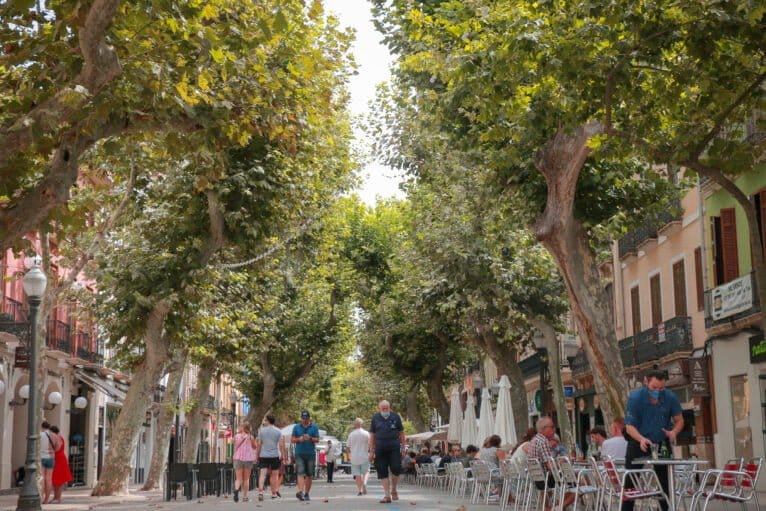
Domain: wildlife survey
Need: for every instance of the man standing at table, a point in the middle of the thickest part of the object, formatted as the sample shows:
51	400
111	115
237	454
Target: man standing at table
386	449
305	436
653	416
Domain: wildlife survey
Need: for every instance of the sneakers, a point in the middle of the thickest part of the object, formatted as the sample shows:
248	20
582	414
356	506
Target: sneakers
275	496
236	495
306	496
359	494
279	495
260	495
299	495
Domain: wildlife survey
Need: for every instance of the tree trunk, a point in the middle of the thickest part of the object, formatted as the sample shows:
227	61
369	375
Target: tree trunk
435	380
168	409
560	162
413	409
551	343
114	478
505	358
194	416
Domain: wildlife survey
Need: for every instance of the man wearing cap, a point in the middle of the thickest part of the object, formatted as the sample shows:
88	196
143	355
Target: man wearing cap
305	435
386	449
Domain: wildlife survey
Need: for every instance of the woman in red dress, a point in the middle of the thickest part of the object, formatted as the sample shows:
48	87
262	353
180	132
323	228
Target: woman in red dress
61	473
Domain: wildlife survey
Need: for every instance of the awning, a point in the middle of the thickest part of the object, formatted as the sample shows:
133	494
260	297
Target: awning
427	435
100	383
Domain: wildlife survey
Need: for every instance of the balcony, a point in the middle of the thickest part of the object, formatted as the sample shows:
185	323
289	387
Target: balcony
59	334
667	338
579	364
628	351
19	329
729	303
15	310
639	237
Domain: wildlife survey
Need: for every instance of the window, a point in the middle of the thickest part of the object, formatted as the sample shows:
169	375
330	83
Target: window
635	308
698	278
740	411
725	249
655	293
679	288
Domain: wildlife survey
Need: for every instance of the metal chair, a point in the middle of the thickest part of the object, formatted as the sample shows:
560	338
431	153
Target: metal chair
644	482
179	473
536	476
730	485
208	479
513	480
483	479
578	482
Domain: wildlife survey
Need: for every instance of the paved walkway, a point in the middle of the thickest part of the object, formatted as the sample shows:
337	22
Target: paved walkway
339	496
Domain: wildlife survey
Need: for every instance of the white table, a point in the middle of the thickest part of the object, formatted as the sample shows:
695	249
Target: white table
671	463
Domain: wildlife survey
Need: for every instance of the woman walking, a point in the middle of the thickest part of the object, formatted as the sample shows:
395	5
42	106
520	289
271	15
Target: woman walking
244	457
61	472
49	444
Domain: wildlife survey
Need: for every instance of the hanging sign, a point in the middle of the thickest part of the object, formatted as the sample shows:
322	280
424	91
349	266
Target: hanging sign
700	384
732	298
21	359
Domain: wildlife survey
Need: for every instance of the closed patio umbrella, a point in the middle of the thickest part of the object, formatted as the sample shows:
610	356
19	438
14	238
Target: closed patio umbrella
486	422
455	418
504	424
468	435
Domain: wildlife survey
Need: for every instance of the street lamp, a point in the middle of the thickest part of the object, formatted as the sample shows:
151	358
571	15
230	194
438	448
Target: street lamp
34	286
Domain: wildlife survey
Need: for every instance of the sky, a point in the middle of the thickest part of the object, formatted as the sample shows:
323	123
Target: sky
373	60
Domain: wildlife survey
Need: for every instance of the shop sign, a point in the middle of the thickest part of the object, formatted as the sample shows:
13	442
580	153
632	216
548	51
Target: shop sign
732	298
757	349
539	400
21	359
700	384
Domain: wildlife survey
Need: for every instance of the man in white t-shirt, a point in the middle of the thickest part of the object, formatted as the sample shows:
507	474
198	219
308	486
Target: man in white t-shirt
616	445
358	445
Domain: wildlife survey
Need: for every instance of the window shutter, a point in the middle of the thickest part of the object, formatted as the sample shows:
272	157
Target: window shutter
679	288
656	297
698	278
729	244
635	308
762	213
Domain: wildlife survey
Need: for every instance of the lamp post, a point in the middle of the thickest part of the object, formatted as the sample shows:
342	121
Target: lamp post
34	286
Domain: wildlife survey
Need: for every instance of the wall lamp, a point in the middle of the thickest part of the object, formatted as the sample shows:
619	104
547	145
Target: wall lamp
54	399
80	403
22	398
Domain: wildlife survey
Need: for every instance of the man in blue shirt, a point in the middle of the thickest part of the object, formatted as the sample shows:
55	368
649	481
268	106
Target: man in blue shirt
305	436
653	416
386	448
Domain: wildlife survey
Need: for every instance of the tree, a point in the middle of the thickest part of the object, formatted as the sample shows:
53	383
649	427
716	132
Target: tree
524	83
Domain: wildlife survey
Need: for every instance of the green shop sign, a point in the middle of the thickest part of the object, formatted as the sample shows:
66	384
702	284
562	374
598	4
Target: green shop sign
757	349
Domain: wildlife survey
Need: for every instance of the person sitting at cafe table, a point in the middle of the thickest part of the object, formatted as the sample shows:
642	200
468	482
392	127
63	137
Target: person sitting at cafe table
423	457
455	456
597	439
616	445
653	416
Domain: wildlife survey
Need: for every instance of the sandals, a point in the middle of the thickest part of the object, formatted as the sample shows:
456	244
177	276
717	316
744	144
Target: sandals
385	500
394	495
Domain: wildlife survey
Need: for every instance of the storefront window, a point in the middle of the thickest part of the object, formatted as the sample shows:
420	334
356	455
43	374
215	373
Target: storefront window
740	409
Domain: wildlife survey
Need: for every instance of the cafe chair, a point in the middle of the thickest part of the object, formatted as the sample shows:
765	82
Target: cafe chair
208	479
580	482
730	485
179	473
483	476
536	474
514	483
630	484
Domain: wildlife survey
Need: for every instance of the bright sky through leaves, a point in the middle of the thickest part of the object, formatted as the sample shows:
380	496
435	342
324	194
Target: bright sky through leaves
373	59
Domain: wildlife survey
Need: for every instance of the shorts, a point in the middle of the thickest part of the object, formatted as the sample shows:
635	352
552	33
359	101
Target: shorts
243	465
46	462
540	485
361	469
271	463
388	460
305	464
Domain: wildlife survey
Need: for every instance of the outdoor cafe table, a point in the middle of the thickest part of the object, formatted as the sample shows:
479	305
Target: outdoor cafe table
671	463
